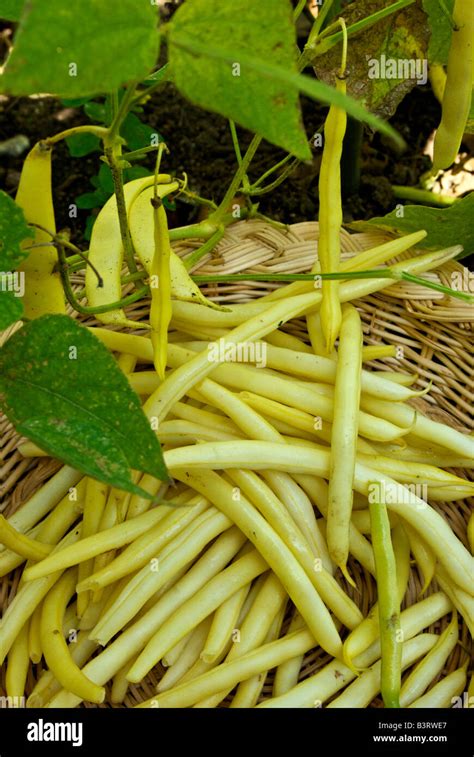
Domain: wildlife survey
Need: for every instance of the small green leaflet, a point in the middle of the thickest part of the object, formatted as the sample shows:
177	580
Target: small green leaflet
264	30
61	387
446	226
163	74
81	48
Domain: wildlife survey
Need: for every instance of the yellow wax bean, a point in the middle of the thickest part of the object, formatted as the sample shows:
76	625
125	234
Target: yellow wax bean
269	600
35	650
430	666
103	541
344	436
287	674
189	655
443	693
257	455
266	320
183	550
103	667
313	691
276	516
17	666
56	651
367	686
273	549
146	546
44	499
248	691
196	609
21	544
27	598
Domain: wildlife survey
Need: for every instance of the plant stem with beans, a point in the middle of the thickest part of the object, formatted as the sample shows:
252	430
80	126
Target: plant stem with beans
72	299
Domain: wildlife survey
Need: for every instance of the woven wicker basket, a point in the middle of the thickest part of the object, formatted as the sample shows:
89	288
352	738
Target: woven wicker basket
435	332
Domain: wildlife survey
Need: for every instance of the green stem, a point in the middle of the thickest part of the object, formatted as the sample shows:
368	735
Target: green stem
234	186
123	280
270	221
195	198
137	154
279	180
438	287
238	154
321	18
206	229
151	89
386	273
299	10
123	109
422	196
196	256
113	106
110	149
113	153
271	170
71	297
202	230
98	131
229	278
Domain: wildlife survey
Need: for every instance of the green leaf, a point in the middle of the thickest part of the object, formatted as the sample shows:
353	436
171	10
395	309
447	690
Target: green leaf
136	172
136	133
81	48
395	44
61	387
74	102
263	30
445	227
13	230
83	144
441	29
90	200
11	307
11	9
96	111
106	182
267	71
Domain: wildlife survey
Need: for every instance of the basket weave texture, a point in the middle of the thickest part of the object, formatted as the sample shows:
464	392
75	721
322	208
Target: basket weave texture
435	331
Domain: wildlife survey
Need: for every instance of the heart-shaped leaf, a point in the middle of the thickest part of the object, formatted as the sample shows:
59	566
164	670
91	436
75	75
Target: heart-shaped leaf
61	387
